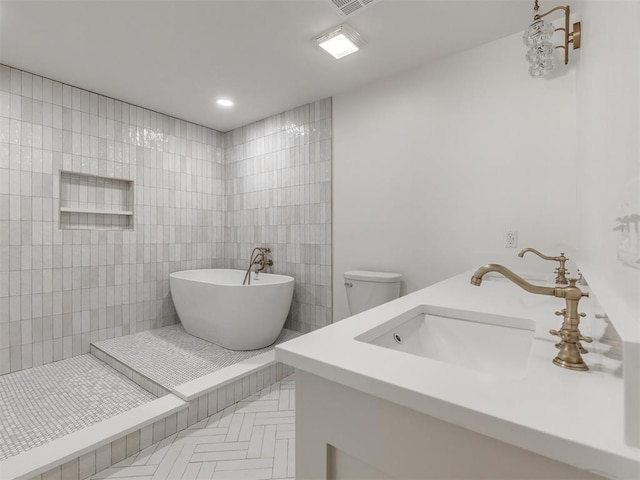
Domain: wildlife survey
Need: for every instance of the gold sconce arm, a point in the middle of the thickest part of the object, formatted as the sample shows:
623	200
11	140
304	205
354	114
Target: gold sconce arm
569	36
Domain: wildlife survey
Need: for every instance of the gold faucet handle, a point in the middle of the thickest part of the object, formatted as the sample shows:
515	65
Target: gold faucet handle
572	283
561	312
563	333
561	271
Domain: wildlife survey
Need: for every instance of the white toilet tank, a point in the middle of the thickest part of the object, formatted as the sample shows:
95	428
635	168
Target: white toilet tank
366	290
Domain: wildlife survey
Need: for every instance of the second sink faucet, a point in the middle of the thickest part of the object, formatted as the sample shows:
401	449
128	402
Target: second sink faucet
570	347
561	271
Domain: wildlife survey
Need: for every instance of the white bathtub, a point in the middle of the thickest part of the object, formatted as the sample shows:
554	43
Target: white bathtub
214	305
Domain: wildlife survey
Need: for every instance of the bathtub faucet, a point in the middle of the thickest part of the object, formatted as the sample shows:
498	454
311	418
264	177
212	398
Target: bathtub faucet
570	336
259	259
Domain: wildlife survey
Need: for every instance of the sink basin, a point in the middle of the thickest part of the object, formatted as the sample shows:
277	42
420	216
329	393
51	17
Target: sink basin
492	344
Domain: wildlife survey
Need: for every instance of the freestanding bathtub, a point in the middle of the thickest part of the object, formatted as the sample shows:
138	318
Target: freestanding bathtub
214	305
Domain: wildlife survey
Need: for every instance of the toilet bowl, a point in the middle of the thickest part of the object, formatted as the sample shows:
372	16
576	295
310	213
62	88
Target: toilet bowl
366	290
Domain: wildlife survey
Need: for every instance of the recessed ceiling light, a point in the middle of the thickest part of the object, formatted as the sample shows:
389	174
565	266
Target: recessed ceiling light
340	41
224	102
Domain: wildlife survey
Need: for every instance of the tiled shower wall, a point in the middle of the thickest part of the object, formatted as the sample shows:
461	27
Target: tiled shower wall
278	191
62	289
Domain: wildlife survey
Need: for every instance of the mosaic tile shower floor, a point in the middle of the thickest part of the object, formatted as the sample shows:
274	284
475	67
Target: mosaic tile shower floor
47	402
170	356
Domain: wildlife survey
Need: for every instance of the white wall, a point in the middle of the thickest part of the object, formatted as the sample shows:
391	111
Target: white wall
608	152
608	161
432	166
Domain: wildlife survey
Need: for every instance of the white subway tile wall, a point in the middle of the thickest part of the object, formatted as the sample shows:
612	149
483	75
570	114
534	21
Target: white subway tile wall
202	199
62	289
278	191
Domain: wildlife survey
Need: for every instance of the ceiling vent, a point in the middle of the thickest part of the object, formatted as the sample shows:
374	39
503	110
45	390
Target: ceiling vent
346	8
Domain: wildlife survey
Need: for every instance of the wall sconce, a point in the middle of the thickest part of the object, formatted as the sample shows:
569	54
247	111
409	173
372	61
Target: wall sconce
538	38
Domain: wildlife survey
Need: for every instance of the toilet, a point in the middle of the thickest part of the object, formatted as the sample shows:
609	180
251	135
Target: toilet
366	290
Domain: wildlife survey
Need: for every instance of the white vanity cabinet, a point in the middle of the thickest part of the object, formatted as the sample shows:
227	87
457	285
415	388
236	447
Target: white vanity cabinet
343	433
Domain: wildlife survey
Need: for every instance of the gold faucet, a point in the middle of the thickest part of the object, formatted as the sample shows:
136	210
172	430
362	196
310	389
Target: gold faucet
258	257
569	347
561	271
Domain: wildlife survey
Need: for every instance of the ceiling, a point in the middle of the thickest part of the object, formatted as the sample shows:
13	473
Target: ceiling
176	57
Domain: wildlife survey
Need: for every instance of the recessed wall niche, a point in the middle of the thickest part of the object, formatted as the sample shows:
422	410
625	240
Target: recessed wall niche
90	202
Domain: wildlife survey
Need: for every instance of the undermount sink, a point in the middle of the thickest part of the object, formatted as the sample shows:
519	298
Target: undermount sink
492	344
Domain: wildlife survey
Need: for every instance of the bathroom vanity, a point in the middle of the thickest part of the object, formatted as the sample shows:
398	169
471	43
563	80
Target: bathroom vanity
456	381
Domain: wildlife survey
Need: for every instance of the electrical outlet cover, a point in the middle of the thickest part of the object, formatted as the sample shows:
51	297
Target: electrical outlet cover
511	239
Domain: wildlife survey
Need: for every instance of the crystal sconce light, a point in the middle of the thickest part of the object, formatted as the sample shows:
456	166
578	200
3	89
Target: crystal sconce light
538	38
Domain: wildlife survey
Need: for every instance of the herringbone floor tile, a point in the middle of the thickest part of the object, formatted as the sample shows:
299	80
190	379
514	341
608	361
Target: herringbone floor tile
252	439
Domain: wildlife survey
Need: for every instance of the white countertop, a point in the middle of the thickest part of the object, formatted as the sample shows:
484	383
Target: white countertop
573	417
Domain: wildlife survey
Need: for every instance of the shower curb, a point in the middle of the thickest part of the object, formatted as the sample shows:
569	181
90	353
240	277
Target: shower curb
132	374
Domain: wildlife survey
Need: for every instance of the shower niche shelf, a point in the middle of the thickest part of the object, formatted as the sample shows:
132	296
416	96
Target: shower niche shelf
91	202
94	210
